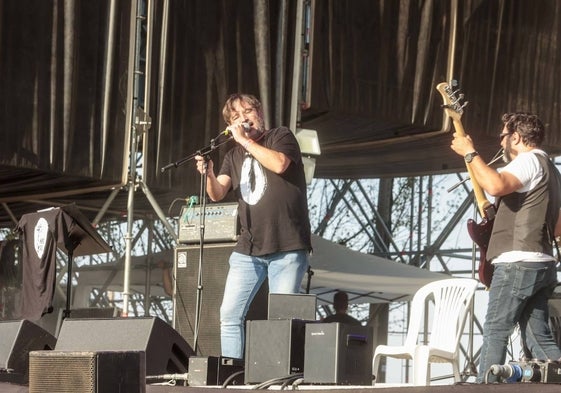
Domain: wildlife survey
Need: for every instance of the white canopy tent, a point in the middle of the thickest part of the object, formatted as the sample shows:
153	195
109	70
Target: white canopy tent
111	277
366	278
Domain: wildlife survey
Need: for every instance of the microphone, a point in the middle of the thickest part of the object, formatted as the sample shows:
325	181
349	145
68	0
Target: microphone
246	126
498	155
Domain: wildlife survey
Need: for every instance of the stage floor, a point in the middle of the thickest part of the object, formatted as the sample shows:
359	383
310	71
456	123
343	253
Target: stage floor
458	388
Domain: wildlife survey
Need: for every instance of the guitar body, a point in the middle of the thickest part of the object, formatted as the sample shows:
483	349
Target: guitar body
480	233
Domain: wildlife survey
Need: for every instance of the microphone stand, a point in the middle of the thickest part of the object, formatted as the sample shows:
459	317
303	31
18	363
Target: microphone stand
201	152
205	151
309	281
202	217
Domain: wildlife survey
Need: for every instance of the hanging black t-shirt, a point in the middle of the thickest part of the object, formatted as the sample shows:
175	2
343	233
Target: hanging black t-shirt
273	208
42	233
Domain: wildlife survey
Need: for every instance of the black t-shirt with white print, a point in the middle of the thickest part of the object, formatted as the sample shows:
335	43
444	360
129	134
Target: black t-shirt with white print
273	209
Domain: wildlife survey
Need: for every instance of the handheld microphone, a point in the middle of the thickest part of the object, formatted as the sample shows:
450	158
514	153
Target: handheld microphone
245	125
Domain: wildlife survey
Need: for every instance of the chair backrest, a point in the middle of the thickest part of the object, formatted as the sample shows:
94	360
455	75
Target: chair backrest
452	301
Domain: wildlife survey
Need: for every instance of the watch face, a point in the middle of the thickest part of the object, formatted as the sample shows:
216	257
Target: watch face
469	157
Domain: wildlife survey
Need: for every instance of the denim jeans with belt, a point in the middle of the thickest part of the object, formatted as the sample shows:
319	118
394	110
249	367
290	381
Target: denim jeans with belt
519	293
285	271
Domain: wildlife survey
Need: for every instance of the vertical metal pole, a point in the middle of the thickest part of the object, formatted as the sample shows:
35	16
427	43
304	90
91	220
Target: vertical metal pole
297	75
261	28
128	235
149	263
136	5
280	65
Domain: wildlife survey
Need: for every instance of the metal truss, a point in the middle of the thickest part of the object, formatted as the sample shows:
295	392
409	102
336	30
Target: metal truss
416	229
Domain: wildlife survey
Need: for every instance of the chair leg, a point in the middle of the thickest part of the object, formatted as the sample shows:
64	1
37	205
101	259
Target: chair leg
421	366
456	370
375	366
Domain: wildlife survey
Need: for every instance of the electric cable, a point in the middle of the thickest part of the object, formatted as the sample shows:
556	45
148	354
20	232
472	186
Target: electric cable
271	382
231	377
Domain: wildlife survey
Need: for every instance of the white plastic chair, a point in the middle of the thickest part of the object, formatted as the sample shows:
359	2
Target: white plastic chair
452	302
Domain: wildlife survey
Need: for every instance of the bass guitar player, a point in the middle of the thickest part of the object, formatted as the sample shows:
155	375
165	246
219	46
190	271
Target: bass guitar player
528	192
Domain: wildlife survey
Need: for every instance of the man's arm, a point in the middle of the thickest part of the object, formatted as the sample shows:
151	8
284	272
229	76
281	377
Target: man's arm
274	161
493	182
216	187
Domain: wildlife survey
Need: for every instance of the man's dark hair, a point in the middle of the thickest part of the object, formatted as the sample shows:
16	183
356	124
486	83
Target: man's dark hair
340	301
529	127
247	98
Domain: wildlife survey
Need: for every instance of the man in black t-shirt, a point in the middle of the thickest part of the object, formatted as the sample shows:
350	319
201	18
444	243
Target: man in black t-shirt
266	173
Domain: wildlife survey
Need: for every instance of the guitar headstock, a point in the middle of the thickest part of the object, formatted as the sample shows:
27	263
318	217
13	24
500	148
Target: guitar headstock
453	102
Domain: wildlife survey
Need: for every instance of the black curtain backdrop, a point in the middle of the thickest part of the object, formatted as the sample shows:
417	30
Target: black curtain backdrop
204	51
510	58
63	95
374	68
65	84
376	64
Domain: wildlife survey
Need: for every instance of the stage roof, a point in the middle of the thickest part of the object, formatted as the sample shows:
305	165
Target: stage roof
69	83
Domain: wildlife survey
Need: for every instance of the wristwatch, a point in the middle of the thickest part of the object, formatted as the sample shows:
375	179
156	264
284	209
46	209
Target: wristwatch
469	157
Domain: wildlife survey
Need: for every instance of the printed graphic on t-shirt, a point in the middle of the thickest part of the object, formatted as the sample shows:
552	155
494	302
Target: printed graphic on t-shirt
253	182
40	236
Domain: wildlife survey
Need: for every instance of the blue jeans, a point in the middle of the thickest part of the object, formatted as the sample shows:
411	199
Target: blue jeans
284	270
518	294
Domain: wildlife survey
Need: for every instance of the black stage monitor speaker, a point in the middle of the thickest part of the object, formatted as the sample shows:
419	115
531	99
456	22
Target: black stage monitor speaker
274	349
87	372
93	312
338	353
87	312
292	306
17	339
166	351
215	269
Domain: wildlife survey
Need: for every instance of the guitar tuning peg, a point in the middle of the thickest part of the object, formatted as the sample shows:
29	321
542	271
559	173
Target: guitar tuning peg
454	83
464	104
456	92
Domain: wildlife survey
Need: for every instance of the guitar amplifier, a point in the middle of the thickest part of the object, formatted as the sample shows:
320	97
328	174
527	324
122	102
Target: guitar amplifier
220	223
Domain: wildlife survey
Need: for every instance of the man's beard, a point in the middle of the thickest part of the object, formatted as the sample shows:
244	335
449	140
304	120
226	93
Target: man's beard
507	156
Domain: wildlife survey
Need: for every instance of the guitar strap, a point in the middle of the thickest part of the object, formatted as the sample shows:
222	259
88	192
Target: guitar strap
551	233
555	243
557	249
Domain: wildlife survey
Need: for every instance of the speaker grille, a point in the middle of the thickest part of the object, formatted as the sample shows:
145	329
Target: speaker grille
62	372
214	272
87	372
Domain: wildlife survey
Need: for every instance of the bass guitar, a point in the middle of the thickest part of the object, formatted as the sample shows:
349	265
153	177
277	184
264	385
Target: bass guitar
480	232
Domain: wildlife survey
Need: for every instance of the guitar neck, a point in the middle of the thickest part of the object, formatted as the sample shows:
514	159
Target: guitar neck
483	203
